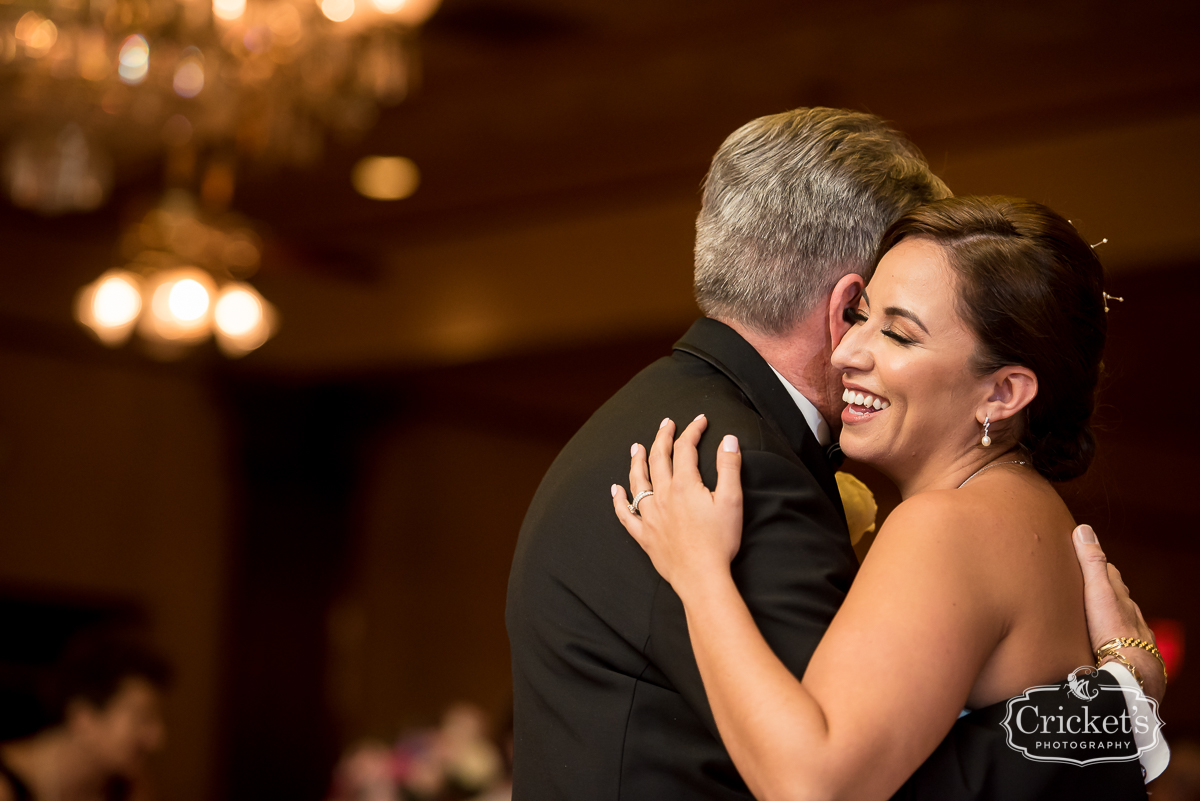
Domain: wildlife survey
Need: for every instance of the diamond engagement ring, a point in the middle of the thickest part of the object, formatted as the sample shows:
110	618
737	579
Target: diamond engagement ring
633	507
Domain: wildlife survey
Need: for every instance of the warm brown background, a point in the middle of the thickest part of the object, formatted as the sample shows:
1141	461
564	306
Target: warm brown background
320	534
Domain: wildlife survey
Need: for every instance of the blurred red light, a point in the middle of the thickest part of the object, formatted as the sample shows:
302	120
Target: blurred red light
1168	636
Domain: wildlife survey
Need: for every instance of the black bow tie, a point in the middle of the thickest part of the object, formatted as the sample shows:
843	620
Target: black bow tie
835	456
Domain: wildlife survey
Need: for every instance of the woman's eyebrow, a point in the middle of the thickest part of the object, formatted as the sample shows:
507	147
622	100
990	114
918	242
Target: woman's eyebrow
898	312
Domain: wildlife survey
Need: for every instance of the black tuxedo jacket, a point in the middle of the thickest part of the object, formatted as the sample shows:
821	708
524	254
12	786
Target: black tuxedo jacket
608	700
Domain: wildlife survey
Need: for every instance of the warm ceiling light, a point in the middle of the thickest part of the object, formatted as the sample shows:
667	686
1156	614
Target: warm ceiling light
238	311
229	9
37	33
244	320
134	61
109	306
338	10
389	6
116	302
408	12
189	75
385	177
180	306
187	300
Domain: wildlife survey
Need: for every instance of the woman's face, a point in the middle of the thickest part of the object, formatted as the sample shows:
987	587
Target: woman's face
906	360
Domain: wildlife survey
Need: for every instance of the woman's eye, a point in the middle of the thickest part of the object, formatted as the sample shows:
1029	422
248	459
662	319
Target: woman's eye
853	316
903	340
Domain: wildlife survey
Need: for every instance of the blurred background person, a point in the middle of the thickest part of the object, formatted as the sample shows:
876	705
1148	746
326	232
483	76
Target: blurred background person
104	705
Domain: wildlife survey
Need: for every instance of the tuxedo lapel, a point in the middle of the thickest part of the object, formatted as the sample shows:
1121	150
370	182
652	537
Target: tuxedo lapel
726	350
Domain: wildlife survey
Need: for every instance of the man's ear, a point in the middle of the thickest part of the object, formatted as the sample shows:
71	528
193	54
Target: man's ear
846	293
1012	389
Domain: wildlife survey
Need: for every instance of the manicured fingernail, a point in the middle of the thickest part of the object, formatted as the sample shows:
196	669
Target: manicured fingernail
633	450
614	490
1086	535
699	417
664	422
729	443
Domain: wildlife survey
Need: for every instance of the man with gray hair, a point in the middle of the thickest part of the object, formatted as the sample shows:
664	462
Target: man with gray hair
608	701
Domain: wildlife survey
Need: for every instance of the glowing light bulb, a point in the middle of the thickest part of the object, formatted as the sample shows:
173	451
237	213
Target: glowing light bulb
408	12
116	302
244	320
188	300
385	177
110	305
229	9
238	311
338	10
180	303
189	75
134	61
37	33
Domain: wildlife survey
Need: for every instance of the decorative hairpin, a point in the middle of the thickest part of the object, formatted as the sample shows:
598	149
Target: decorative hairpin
1107	297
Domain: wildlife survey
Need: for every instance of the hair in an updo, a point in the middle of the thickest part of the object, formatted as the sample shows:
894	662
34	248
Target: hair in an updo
1031	290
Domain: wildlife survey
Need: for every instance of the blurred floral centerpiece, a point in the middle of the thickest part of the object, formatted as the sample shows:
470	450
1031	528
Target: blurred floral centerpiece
454	761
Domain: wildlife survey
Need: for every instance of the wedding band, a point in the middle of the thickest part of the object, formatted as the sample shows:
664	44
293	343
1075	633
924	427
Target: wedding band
633	507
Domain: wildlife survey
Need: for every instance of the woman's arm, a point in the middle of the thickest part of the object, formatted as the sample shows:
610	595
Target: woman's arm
888	679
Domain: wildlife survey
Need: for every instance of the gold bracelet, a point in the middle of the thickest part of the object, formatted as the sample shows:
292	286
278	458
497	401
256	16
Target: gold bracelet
1117	656
1112	645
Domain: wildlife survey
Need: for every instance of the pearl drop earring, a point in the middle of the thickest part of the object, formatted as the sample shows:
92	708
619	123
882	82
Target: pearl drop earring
986	441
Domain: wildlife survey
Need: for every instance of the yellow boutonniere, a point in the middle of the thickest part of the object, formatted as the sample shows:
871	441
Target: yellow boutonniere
859	503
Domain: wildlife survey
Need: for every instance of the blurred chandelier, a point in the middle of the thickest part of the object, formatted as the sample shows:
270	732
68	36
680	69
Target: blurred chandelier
87	84
185	281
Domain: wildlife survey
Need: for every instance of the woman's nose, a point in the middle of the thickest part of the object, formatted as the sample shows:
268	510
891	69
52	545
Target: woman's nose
850	354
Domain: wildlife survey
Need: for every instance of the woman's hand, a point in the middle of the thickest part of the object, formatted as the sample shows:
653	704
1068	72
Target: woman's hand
1112	613
690	534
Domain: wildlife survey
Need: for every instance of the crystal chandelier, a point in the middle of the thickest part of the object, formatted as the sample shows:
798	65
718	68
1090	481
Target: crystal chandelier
90	86
90	83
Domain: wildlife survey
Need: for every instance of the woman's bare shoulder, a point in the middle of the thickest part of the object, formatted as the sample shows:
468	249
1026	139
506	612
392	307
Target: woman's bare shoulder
928	539
1012	524
972	530
933	517
979	512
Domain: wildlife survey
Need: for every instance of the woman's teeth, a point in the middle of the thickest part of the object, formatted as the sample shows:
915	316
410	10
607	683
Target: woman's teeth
859	399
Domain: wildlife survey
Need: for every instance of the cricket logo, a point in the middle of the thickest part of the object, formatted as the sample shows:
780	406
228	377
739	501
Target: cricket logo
1079	687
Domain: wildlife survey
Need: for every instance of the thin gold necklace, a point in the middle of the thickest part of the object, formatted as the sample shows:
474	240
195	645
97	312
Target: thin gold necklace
987	467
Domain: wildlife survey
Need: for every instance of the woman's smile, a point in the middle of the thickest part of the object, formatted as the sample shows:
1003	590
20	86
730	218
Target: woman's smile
861	405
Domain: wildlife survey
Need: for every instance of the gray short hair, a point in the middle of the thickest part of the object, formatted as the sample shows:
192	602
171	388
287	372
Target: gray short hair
795	201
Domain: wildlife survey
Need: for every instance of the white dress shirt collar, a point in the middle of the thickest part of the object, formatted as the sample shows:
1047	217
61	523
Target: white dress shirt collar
813	417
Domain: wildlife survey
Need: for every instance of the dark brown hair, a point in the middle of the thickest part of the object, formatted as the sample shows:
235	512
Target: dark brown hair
1031	290
95	666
